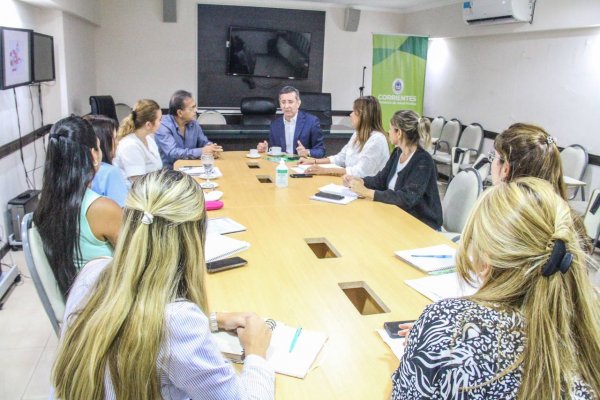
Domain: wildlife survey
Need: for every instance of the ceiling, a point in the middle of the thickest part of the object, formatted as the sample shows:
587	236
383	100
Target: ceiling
395	5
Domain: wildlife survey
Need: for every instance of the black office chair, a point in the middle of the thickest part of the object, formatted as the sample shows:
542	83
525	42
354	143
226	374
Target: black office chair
317	104
103	105
257	110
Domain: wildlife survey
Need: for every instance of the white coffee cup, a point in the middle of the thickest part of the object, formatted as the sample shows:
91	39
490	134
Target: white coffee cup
253	152
275	151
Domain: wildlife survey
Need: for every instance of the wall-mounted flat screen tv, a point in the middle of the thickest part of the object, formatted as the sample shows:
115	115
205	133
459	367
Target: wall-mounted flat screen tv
269	53
43	58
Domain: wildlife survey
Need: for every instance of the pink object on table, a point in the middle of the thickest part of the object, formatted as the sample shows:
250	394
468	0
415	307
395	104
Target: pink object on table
213	205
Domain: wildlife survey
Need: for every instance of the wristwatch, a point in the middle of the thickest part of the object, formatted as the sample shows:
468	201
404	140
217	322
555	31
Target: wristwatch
212	318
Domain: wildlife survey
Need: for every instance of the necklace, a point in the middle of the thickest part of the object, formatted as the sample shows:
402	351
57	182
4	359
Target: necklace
406	155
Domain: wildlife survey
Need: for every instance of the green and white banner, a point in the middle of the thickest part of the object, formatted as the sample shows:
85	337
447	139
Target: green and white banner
398	80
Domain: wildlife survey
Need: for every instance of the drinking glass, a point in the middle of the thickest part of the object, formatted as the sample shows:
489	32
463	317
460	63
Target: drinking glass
207	162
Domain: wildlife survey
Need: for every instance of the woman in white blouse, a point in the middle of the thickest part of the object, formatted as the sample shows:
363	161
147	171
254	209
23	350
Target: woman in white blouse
137	153
367	151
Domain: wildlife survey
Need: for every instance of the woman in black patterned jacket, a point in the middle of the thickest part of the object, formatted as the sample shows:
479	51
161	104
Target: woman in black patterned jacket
409	179
532	330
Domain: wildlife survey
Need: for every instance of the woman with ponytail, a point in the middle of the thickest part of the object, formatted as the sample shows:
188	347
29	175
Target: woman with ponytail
137	326
532	331
137	152
75	223
409	179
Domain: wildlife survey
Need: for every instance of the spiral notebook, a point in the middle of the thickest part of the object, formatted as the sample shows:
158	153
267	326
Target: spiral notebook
219	246
296	363
432	260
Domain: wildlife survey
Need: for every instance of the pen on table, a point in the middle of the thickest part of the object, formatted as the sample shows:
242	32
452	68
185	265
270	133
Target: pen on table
295	339
432	255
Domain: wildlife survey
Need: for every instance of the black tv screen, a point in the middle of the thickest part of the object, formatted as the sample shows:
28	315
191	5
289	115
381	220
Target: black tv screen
43	58
269	53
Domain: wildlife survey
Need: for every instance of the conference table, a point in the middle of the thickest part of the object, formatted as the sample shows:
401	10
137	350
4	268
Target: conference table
287	281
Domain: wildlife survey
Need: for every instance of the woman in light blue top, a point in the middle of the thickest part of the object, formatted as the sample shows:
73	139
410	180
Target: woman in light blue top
75	223
109	180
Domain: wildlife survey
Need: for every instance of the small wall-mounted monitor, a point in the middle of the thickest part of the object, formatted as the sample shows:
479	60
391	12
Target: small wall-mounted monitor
43	58
268	53
15	54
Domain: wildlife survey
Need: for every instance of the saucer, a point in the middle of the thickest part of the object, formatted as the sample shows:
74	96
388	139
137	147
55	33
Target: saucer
213	195
276	155
208	185
251	156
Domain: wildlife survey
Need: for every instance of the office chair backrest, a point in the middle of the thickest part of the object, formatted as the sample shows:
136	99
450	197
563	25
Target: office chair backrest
257	110
471	137
317	104
591	218
451	133
103	105
436	127
461	195
41	273
122	110
211	117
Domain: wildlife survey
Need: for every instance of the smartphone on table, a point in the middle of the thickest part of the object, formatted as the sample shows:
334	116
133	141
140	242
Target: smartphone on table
224	264
392	327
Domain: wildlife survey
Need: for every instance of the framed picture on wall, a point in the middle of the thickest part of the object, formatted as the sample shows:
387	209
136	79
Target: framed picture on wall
15	51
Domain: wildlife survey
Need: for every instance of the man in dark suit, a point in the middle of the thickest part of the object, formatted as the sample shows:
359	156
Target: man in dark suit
297	131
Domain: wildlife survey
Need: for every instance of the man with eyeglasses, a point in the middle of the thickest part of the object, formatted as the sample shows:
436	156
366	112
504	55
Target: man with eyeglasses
180	137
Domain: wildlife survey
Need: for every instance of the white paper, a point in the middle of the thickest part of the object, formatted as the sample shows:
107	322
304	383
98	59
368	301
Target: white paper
301	169
439	287
397	344
343	201
193	171
296	363
219	247
338	189
223	225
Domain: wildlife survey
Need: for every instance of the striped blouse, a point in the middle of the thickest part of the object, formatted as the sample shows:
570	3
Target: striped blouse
189	362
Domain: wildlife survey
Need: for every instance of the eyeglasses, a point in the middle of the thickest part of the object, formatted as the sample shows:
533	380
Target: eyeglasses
492	156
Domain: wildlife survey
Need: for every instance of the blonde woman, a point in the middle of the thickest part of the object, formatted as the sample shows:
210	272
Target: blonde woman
532	331
409	178
137	152
367	151
527	150
137	326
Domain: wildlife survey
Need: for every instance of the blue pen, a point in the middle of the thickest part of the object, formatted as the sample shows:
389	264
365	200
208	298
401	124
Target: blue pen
432	255
295	339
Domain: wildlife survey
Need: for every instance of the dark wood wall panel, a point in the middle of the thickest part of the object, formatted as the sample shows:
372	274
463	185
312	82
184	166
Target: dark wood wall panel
215	87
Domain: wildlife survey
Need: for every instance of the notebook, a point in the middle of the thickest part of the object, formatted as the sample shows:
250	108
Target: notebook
223	225
218	247
439	287
349	195
296	363
434	259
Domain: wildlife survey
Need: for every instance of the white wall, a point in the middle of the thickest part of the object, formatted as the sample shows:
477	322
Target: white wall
74	61
544	73
153	58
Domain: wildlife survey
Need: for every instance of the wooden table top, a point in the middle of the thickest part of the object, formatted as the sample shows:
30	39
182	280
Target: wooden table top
284	279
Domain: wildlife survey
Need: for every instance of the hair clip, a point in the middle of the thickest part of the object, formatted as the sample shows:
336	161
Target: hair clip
148	218
133	114
550	140
560	259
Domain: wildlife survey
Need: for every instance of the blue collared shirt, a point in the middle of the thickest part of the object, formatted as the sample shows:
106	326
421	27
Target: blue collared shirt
110	182
173	146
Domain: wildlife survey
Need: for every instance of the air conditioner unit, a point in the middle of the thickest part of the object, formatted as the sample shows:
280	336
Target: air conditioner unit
497	11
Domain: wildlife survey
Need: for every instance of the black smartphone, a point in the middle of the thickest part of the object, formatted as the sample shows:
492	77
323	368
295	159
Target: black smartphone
253	166
301	176
329	196
392	327
227	263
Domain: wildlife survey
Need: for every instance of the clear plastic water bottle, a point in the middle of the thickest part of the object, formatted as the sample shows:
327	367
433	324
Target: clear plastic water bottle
281	174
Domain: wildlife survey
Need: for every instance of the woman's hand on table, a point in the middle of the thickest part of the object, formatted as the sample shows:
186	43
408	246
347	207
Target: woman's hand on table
255	336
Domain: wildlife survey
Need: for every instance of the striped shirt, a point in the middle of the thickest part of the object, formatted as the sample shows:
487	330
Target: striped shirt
189	362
